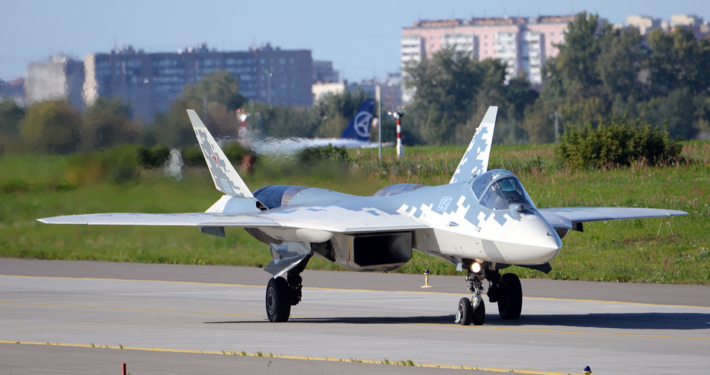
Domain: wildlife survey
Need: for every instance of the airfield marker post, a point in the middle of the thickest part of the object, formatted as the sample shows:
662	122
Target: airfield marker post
426	279
124	369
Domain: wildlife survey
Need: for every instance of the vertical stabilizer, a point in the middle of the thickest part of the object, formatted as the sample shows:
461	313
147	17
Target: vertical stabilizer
359	127
475	160
226	179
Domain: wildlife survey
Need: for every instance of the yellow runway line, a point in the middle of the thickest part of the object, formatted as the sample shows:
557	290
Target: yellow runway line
347	290
307	358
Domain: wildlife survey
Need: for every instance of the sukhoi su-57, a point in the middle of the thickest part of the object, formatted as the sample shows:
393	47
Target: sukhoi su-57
481	222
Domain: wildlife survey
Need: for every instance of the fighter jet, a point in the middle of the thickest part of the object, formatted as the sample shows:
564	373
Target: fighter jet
481	222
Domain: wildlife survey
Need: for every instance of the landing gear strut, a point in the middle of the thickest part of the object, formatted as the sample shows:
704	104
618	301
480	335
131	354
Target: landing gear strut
505	290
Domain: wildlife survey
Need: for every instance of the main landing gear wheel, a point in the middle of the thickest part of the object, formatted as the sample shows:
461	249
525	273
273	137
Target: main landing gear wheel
465	313
510	302
278	300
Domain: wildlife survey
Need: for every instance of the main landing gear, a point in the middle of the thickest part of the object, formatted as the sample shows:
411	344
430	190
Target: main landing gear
505	290
281	294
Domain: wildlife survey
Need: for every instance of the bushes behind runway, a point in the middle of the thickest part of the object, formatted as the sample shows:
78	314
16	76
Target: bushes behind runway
655	250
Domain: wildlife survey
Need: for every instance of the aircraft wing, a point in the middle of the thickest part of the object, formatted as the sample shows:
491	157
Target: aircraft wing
168	220
331	219
587	214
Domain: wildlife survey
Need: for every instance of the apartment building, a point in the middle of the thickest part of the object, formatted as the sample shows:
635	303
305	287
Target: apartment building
522	44
151	81
59	77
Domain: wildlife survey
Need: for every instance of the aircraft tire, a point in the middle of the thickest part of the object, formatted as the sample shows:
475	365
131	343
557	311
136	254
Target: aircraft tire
479	315
465	311
511	302
278	300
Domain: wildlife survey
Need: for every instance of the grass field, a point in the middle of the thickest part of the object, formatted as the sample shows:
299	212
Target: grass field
653	251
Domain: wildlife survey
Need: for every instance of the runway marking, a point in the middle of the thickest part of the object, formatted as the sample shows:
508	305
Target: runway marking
307	318
297	357
125	309
349	290
575	332
135	309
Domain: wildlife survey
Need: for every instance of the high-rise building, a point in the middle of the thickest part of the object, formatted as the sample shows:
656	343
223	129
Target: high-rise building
645	24
323	72
151	81
59	77
522	44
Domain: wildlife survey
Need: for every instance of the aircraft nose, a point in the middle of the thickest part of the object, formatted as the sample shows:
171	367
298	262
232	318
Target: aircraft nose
540	239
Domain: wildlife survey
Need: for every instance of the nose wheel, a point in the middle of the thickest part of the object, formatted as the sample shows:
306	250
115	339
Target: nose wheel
472	310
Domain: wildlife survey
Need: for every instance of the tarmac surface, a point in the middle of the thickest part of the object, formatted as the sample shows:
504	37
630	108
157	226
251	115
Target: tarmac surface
74	317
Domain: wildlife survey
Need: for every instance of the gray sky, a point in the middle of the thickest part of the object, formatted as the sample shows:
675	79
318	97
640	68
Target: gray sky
361	37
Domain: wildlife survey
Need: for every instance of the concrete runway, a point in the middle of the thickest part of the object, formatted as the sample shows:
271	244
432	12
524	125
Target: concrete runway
166	316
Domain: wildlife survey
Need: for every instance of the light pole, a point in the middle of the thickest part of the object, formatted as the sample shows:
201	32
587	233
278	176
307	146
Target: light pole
268	84
556	116
379	119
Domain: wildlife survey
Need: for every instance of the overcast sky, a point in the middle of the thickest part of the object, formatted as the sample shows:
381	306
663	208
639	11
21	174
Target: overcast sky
361	37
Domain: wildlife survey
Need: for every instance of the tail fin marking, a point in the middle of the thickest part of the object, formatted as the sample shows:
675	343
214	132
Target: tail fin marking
359	127
226	179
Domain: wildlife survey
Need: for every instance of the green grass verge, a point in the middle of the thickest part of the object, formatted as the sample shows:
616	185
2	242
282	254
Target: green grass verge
625	251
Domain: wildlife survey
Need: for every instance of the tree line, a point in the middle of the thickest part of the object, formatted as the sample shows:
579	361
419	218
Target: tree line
54	127
599	74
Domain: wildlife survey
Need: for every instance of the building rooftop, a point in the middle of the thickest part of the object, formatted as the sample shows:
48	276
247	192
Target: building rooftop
493	21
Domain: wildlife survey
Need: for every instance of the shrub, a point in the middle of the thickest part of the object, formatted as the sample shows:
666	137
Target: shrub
153	157
329	152
617	142
192	157
119	165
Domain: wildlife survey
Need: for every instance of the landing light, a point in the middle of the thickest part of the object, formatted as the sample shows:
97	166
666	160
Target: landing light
475	267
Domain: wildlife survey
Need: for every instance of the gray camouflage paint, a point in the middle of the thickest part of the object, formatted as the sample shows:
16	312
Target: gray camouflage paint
475	160
226	179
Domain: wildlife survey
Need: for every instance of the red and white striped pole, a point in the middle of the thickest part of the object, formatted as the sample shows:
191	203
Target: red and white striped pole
398	115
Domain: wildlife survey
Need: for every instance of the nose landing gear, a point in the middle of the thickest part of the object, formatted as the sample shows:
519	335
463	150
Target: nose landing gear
505	290
473	310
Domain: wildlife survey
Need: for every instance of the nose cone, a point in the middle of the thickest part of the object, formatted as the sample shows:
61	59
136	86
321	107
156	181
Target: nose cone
539	242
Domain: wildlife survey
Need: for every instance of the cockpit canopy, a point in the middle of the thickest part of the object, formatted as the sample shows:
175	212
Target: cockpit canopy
498	189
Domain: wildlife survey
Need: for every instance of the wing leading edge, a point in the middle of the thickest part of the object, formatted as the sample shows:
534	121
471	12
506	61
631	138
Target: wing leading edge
325	220
589	214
